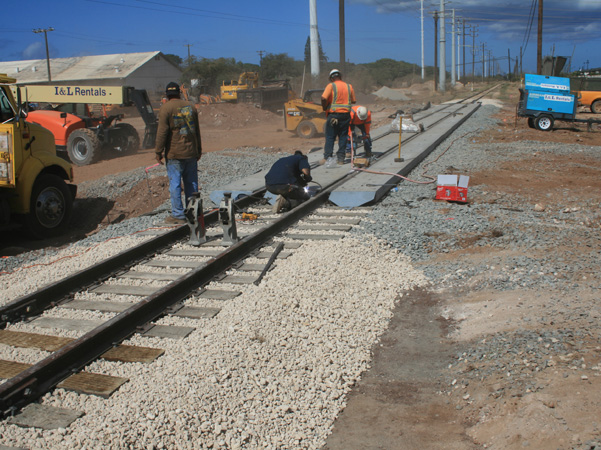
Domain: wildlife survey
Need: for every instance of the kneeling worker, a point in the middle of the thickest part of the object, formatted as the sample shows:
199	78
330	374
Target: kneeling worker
361	119
287	178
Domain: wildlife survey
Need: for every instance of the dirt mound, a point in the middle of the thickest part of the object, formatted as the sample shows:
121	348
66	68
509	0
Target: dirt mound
233	115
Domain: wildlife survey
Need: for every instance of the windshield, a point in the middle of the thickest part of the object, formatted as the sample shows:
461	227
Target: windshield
6	108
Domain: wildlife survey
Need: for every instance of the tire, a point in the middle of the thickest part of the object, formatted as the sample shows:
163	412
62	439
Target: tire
83	147
50	207
128	138
530	122
544	123
306	129
596	107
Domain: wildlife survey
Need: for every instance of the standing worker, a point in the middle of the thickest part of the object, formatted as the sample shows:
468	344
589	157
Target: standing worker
287	178
336	101
361	119
178	139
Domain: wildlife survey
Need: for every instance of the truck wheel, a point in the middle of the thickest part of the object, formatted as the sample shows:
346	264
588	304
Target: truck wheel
50	207
83	147
306	129
129	140
530	122
596	107
544	123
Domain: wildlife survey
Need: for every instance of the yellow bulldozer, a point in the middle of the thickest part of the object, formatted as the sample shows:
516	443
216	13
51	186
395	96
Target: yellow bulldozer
246	80
305	116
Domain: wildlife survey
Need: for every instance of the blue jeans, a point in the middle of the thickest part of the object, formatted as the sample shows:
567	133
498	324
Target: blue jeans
340	130
179	170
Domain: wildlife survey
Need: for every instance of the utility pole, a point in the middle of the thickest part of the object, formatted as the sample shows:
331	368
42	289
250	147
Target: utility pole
45	30
463	47
442	70
453	58
539	47
483	58
260	52
458	56
474	54
188	45
422	21
314	39
435	48
341	34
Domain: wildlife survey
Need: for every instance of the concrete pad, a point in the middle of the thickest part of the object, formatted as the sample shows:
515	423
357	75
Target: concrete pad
194	312
119	289
169	332
88	305
316	237
151	276
45	417
67	324
175	264
218	294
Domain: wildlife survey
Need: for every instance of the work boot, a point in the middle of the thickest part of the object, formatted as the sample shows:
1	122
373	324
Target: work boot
322	161
280	205
341	162
175	220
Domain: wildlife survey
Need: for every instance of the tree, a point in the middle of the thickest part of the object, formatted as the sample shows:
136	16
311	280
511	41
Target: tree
212	72
322	56
279	67
173	59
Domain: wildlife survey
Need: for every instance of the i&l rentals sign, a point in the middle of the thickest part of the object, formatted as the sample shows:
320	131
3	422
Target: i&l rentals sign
109	95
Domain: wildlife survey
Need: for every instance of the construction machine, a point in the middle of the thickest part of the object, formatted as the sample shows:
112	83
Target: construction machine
305	116
246	80
35	183
588	92
82	133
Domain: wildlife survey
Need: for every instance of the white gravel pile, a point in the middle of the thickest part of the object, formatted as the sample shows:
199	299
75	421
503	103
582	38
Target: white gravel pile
270	371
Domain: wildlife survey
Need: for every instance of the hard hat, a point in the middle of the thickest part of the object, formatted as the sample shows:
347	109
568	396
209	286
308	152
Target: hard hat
362	112
335	72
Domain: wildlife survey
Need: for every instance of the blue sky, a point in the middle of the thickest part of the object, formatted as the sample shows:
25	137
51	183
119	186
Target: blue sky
375	29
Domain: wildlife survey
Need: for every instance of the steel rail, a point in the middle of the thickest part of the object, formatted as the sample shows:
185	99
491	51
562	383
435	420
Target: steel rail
37	380
35	303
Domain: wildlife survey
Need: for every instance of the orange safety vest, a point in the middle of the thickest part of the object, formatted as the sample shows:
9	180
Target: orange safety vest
356	121
341	97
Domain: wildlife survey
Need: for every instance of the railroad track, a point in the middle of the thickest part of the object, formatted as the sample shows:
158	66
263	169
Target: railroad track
168	272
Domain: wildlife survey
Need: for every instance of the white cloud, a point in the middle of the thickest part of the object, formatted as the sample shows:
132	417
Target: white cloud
34	51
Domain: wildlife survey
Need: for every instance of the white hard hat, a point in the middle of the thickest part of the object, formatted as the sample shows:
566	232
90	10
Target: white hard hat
334	72
362	112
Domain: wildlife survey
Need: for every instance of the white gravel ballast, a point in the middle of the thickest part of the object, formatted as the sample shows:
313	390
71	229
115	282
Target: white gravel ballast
270	371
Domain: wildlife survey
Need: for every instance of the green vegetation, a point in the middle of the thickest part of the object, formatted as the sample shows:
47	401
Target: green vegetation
365	77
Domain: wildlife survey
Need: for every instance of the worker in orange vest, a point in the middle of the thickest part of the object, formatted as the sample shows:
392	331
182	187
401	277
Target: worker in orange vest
336	101
361	119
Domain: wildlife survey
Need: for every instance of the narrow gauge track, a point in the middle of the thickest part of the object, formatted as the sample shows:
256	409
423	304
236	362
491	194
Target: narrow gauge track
71	356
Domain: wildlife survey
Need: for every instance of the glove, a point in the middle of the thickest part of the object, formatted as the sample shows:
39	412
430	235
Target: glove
333	121
305	178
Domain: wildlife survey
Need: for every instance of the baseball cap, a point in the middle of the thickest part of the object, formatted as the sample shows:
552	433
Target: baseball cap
172	89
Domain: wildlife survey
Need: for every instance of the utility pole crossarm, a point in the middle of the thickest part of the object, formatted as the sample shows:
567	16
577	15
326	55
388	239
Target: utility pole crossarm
45	31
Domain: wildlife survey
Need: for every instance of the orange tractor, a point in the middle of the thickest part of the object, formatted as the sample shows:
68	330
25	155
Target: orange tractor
83	134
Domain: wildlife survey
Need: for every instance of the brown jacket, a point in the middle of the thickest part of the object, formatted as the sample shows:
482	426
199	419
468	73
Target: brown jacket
178	133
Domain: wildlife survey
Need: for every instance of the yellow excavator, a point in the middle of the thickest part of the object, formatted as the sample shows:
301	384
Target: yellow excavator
246	80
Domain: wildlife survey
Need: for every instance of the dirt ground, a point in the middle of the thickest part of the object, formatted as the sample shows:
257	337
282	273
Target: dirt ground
420	395
405	401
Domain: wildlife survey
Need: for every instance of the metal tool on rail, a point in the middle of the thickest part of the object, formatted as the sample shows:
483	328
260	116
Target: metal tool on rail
228	220
196	222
